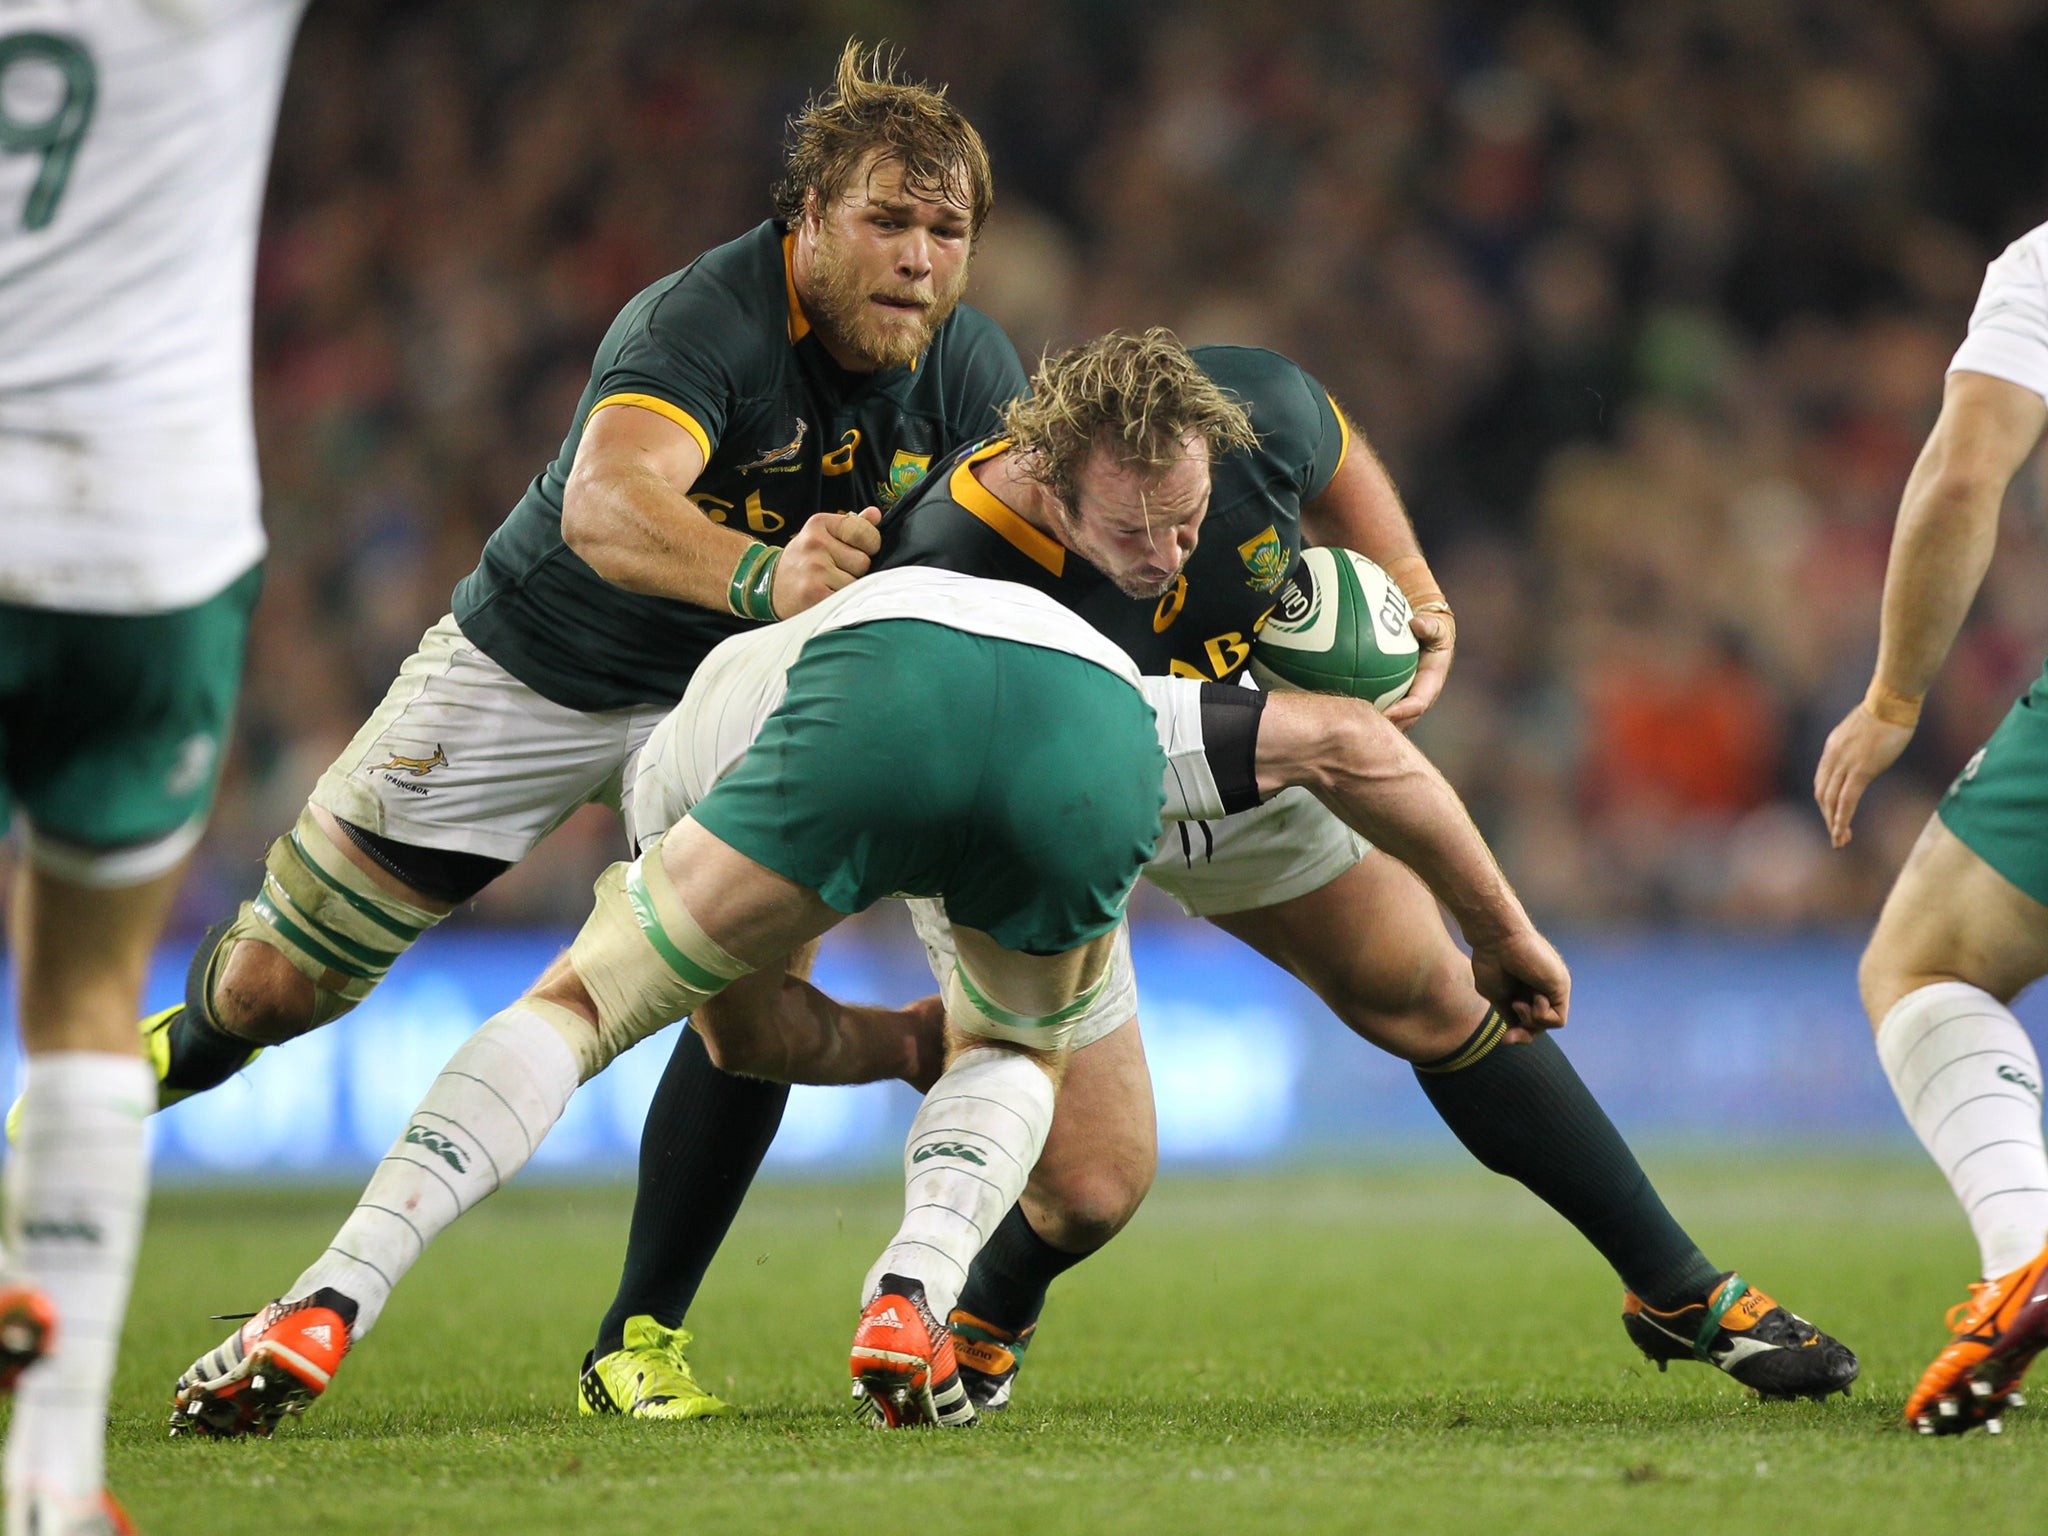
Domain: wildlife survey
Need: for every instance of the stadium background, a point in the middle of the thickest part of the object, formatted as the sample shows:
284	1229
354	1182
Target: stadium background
1646	306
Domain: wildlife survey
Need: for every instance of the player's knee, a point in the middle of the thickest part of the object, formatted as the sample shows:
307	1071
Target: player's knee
258	995
1884	976
312	943
735	1048
1087	1209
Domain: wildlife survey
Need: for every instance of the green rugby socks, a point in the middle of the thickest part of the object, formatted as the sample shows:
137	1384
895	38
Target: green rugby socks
1523	1112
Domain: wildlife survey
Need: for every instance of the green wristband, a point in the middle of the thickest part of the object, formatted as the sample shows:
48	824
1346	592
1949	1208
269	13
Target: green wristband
748	593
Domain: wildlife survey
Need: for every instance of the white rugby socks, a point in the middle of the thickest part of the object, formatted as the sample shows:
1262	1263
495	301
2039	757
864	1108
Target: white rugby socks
971	1147
485	1114
1970	1084
76	1186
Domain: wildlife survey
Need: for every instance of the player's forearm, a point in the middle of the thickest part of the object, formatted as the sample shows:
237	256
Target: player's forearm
639	532
1367	773
1948	525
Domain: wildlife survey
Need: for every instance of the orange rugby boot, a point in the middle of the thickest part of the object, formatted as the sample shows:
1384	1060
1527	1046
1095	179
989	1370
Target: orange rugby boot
1998	1331
275	1364
904	1369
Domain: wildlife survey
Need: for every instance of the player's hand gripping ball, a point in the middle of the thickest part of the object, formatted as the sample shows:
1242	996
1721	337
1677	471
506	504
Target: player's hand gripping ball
1341	627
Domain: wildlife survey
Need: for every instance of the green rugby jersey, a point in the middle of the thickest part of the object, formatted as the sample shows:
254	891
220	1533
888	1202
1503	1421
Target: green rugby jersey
722	349
1249	542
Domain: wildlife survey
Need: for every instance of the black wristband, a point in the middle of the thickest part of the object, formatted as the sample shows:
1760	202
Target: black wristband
1230	741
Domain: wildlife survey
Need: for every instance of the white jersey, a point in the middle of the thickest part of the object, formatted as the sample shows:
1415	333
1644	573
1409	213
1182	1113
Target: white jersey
2009	328
134	142
743	680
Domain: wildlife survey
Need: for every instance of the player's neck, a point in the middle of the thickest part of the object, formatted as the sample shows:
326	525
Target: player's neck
1002	479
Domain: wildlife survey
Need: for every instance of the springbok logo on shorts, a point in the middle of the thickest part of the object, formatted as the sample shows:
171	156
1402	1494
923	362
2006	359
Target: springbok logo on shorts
2020	1079
949	1149
418	767
438	1144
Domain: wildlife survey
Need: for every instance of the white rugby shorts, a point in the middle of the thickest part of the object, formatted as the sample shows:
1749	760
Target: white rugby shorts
463	757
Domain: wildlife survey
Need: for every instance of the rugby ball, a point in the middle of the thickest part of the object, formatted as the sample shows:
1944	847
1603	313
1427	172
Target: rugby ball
1340	627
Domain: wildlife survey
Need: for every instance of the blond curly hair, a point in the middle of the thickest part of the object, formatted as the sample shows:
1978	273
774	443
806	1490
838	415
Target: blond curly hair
1140	396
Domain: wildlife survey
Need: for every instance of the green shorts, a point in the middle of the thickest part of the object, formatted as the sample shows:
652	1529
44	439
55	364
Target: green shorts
1021	785
1998	804
112	726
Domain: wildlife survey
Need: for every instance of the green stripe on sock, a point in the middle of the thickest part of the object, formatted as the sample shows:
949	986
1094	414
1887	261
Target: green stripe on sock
267	910
365	908
650	924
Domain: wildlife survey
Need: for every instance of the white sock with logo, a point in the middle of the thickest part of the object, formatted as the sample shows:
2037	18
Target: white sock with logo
76	1184
973	1144
485	1114
1970	1084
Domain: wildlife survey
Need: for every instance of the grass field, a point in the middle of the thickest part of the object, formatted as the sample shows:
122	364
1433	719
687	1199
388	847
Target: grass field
1421	1350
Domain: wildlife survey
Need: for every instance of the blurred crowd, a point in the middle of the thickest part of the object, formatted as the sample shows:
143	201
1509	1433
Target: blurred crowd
1646	306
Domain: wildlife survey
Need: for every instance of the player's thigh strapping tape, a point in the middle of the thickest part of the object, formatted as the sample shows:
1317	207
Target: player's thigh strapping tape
643	959
338	927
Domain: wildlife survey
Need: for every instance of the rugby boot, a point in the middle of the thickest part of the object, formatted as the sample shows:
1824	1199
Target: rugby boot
28	1327
647	1379
903	1365
275	1364
1998	1331
989	1359
42	1513
1739	1330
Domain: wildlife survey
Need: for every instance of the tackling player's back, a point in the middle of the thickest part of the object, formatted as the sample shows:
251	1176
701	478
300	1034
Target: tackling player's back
129	203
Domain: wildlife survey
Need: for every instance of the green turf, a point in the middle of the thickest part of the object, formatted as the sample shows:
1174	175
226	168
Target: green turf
1419	1350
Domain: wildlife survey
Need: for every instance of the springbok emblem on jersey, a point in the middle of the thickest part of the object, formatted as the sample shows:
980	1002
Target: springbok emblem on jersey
905	470
1265	556
787	452
418	767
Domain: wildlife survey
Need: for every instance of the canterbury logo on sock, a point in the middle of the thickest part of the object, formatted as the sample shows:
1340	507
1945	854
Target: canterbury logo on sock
77	1230
966	1154
2016	1076
439	1145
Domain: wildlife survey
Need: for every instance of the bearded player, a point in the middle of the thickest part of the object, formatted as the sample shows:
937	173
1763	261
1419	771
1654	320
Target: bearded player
136	139
1965	927
1183	594
739	415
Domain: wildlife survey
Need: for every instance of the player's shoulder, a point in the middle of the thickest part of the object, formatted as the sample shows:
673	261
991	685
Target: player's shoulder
935	522
730	299
1290	411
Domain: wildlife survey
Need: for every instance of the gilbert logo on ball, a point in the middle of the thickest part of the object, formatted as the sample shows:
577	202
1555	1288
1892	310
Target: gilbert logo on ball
1340	627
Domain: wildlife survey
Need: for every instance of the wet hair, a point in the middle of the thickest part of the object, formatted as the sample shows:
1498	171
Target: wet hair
1139	396
868	109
